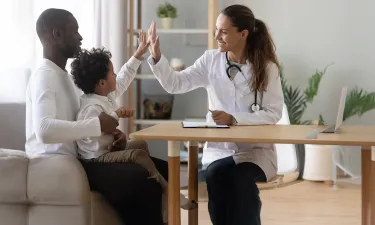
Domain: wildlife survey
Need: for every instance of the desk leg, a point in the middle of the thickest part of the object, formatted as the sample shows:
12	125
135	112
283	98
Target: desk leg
174	213
193	180
368	186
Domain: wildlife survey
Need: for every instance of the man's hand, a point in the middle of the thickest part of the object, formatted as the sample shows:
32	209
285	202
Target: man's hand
143	45
108	124
119	142
154	46
222	118
124	112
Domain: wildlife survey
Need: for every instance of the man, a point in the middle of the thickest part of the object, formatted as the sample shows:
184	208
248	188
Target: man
51	126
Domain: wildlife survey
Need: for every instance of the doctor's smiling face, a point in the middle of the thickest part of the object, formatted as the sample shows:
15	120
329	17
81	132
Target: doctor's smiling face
228	36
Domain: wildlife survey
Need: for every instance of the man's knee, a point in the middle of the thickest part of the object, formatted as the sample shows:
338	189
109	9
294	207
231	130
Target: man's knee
116	181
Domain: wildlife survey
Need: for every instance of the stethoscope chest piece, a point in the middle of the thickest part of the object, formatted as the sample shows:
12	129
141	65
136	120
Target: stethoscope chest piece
255	107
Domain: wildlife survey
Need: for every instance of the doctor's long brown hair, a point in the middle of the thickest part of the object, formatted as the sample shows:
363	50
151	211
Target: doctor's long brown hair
259	43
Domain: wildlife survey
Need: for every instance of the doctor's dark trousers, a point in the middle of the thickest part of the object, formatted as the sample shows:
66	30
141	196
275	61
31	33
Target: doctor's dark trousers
233	196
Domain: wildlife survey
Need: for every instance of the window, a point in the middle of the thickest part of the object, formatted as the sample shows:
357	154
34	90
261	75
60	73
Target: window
21	47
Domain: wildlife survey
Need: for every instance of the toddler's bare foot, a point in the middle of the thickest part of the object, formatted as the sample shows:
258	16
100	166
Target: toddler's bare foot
187	204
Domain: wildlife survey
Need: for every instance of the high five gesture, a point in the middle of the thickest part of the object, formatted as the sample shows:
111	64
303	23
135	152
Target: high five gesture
154	46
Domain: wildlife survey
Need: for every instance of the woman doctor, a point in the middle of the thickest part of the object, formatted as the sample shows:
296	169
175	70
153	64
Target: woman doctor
243	85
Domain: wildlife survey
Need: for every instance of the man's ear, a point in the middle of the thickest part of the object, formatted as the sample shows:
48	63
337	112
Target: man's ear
56	34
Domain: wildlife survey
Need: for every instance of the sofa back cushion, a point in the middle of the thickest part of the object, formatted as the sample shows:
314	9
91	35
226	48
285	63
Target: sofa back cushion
12	125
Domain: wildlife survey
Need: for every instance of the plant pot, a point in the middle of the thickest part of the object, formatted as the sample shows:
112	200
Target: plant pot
166	22
318	163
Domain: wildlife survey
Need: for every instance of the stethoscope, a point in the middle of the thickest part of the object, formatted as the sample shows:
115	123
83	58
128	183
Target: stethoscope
255	106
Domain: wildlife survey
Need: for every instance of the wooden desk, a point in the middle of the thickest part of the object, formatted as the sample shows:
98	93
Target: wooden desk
284	134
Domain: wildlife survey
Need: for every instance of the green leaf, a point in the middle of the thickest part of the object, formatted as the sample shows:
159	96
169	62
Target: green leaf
358	102
313	84
321	120
295	102
166	10
306	122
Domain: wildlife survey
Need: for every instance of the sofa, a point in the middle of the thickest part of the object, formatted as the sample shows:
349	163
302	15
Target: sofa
49	190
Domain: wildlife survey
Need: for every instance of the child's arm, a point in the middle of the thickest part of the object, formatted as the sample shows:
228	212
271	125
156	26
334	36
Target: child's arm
129	70
93	144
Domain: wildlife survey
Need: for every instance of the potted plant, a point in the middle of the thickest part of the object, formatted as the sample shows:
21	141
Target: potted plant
166	12
316	160
296	102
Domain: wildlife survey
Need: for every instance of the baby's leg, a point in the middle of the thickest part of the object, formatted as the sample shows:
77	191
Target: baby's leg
138	156
137	144
142	157
145	160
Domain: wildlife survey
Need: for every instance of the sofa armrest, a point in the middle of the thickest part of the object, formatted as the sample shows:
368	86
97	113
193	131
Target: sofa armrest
57	180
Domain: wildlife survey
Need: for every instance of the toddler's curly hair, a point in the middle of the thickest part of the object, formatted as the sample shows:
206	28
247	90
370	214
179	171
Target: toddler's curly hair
89	67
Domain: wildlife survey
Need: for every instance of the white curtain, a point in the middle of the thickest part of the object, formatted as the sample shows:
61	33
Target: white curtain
102	23
110	31
20	44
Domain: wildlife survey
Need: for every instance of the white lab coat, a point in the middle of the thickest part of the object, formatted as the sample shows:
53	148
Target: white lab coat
233	97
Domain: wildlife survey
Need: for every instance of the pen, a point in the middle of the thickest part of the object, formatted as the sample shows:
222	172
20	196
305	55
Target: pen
210	110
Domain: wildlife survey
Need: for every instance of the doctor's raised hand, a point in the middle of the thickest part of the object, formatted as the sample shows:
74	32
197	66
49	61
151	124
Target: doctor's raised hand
154	46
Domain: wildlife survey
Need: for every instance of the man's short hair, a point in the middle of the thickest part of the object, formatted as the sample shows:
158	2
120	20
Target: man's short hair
50	19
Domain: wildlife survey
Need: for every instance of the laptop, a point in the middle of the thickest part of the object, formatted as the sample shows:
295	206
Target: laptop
340	113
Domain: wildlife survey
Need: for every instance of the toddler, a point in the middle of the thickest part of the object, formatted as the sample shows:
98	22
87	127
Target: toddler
93	73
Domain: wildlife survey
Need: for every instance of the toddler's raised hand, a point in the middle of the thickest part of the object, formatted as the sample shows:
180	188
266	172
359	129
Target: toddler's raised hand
143	45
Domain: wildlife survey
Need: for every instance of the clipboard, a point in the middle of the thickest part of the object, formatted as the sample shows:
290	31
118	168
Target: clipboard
191	124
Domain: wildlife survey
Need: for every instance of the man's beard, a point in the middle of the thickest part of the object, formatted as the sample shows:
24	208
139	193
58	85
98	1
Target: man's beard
69	52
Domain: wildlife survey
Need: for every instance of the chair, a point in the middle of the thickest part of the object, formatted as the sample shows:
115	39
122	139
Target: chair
287	162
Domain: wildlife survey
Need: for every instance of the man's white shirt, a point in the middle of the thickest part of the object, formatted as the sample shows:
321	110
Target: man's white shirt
52	104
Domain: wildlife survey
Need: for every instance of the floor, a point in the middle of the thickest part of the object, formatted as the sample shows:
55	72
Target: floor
303	203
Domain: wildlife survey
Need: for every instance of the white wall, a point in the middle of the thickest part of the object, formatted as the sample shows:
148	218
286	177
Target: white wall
312	34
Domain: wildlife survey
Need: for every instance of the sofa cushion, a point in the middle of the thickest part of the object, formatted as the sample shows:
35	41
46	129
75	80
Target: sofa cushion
58	215
57	180
13	176
14	214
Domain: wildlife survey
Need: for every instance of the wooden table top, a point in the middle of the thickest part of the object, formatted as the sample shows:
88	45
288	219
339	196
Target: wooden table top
282	134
